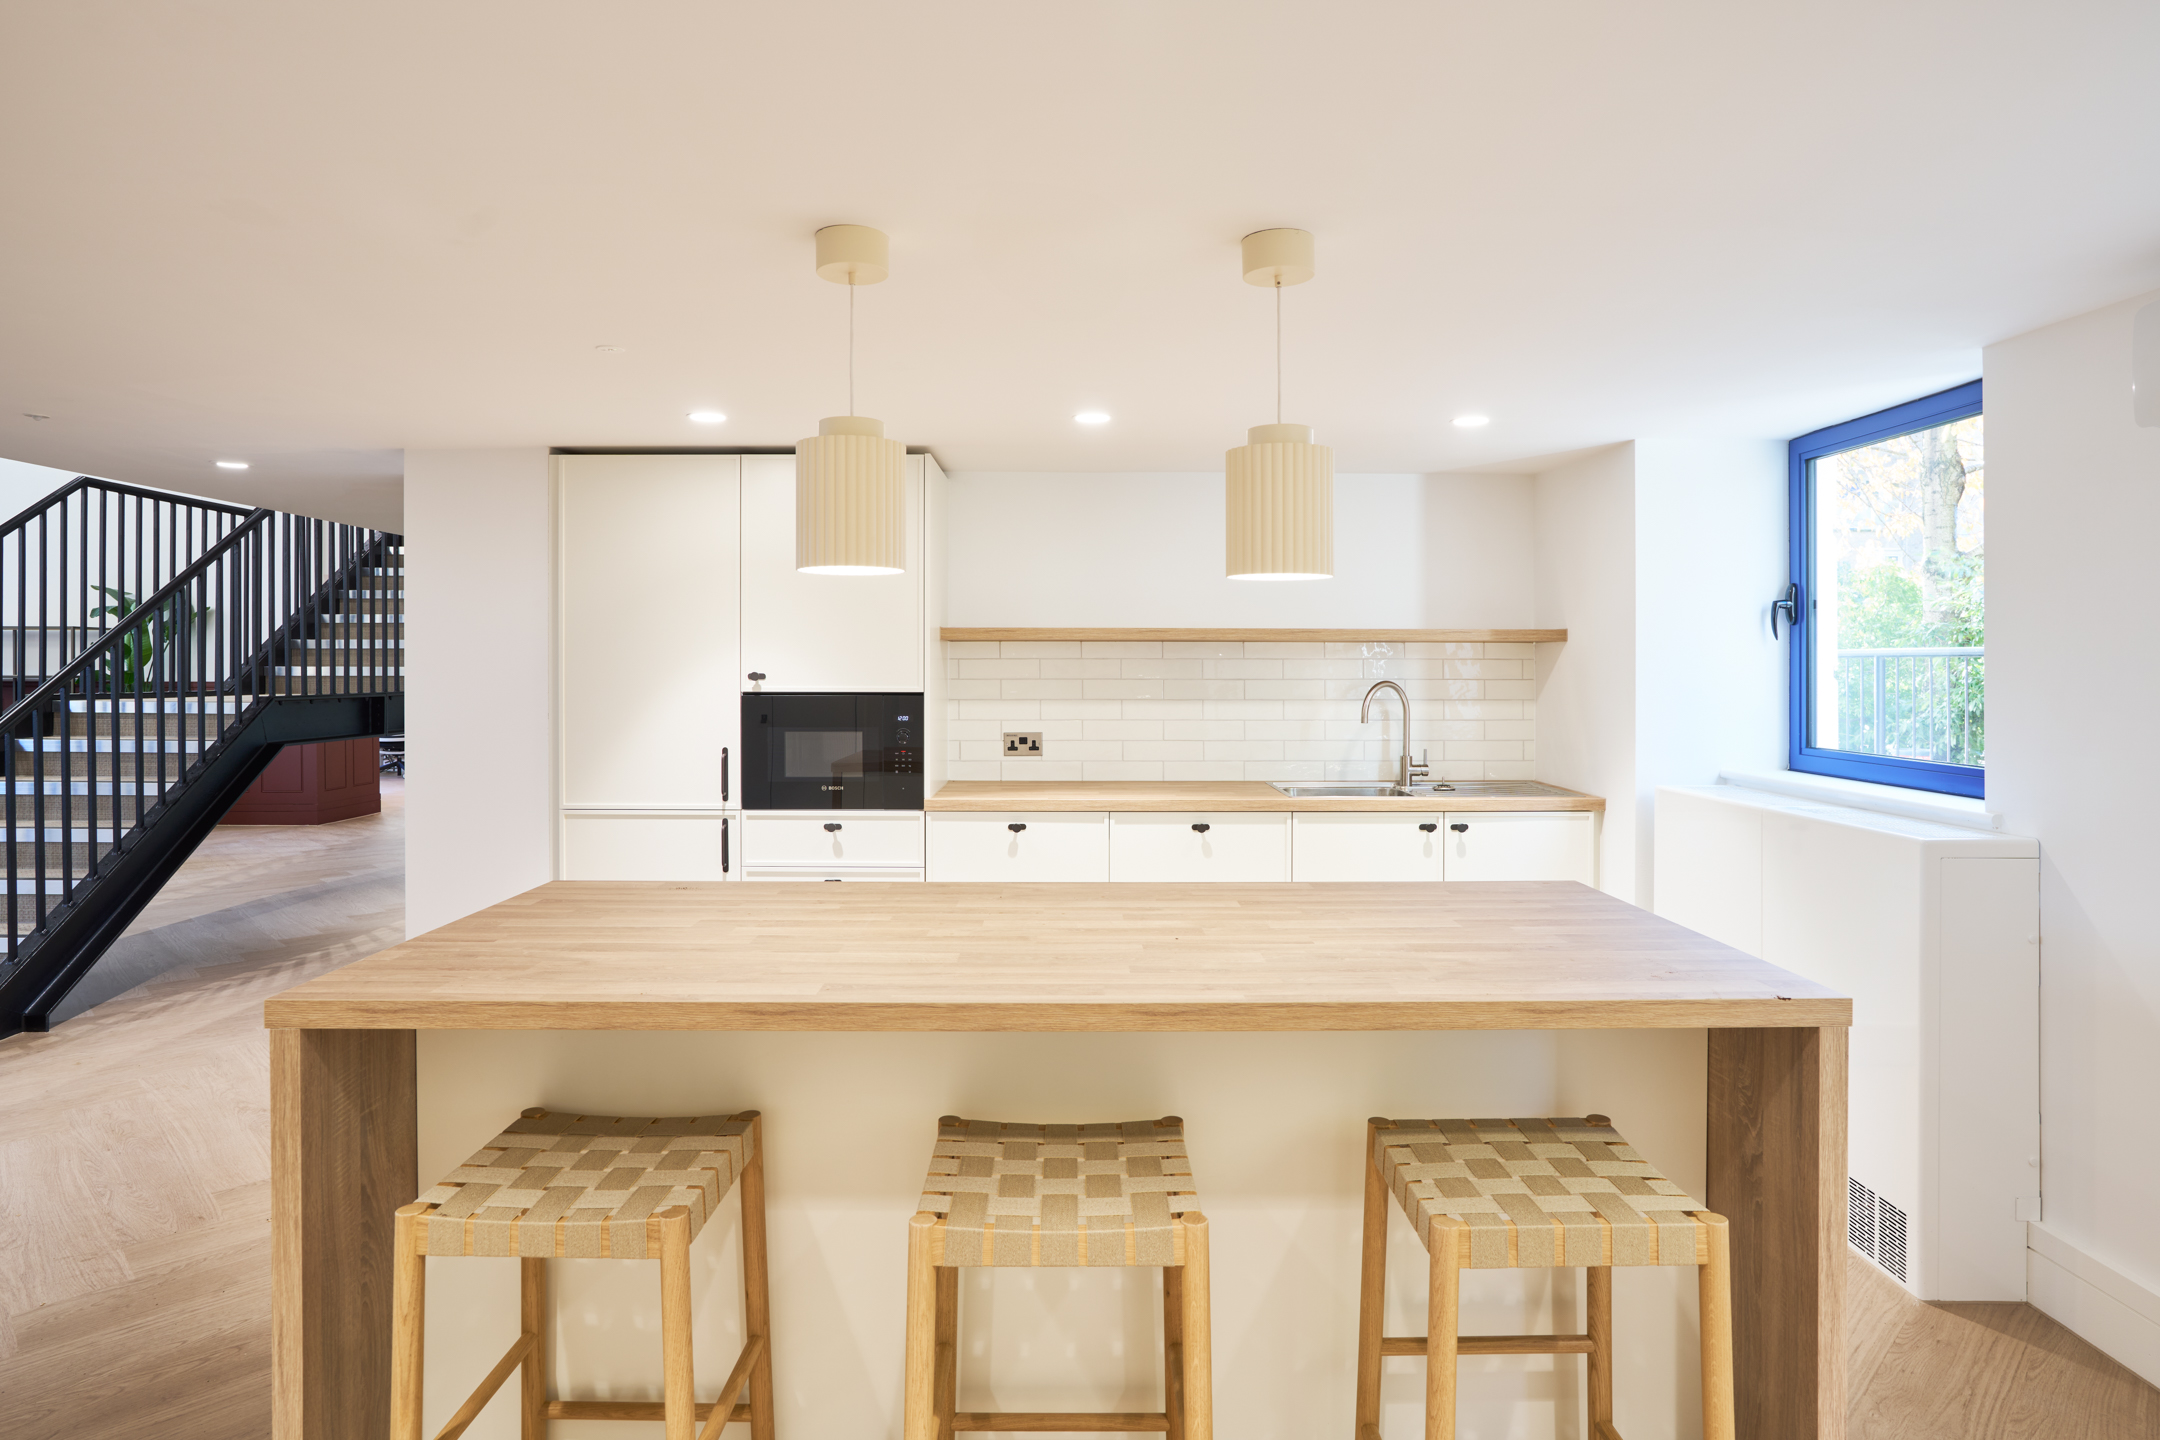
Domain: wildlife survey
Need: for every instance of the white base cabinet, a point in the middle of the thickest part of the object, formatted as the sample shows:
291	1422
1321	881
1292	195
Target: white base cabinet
827	839
597	845
1050	846
833	874
1525	845
1199	847
1370	845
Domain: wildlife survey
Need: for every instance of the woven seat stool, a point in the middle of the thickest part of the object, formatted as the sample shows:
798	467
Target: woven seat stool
590	1187
1057	1195
1518	1194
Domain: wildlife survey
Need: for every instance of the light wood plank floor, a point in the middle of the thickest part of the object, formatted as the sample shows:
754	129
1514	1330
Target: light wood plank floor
134	1190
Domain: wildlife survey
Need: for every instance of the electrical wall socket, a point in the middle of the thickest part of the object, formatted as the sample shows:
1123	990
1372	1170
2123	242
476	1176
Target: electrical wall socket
1021	744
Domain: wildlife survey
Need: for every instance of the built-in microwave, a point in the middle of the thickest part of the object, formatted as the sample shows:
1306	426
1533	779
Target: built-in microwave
831	751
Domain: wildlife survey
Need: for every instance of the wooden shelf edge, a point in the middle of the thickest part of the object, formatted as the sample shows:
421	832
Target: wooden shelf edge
1432	637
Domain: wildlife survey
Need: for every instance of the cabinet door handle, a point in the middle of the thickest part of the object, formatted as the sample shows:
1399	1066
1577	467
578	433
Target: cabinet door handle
723	845
1458	829
1202	829
1429	828
1016	827
723	778
832	828
757	674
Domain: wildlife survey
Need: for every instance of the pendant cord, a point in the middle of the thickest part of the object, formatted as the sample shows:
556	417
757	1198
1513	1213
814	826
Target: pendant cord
851	345
1278	349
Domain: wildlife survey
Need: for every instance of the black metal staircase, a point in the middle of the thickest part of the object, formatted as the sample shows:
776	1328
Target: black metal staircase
158	652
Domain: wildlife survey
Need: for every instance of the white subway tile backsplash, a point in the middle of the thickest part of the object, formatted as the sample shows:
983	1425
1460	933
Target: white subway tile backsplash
1222	710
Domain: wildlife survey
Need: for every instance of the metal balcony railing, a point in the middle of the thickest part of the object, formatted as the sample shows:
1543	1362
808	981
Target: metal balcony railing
1916	703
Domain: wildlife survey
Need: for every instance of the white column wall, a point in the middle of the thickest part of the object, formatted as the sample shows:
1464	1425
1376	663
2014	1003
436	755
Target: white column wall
2073	686
480	690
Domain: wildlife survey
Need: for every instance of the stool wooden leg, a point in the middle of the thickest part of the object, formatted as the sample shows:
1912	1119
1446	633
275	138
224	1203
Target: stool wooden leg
1199	1394
408	1308
1717	1354
679	1402
1173	1346
1372	1290
1598	1282
533	1374
948	1348
920	1421
757	1297
1442	1320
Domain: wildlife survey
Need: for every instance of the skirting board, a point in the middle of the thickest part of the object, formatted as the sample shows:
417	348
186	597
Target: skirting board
2099	1304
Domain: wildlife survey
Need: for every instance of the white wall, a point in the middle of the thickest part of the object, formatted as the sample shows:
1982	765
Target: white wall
1710	555
1585	581
2073	688
23	485
1137	549
480	694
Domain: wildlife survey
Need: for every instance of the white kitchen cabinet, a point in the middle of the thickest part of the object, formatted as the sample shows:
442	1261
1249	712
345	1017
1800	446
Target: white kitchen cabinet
1058	845
1148	846
834	874
1519	845
825	839
825	632
650	706
673	846
1366	845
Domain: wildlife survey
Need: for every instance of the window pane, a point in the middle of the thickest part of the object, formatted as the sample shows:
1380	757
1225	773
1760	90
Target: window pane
1898	616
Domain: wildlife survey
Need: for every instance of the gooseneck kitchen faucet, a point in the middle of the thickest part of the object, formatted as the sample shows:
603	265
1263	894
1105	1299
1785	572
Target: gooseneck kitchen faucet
1406	771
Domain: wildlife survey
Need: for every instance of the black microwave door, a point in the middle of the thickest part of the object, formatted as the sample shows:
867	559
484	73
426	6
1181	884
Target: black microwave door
894	771
815	752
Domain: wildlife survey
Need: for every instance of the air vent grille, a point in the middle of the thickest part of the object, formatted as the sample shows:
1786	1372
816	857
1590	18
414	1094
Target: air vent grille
1875	1227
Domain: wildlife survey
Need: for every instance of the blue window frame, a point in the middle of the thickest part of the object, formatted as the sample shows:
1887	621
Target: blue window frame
1888	668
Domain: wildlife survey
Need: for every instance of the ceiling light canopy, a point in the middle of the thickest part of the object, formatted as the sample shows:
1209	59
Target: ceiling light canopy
1279	487
850	481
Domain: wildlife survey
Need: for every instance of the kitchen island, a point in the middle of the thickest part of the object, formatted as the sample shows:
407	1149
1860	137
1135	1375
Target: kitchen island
1106	995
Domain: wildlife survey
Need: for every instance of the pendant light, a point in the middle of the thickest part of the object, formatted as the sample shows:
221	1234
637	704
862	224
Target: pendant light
1279	487
850	481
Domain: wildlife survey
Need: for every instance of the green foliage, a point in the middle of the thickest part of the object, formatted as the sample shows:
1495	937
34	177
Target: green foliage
1880	607
131	663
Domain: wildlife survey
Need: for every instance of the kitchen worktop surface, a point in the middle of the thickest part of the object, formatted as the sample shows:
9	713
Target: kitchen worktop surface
600	955
1231	795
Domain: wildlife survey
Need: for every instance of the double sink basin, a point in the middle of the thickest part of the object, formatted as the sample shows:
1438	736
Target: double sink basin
1501	788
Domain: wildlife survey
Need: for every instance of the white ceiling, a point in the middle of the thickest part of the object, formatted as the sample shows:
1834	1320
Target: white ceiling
311	235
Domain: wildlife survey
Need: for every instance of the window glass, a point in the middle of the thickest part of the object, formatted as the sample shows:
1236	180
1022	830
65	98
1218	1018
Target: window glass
820	754
1899	597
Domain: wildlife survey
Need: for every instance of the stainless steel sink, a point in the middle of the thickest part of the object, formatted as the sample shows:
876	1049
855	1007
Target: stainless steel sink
1466	788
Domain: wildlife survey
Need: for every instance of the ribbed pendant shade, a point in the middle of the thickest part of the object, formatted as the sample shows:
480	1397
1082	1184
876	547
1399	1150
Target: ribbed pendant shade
850	499
1280	493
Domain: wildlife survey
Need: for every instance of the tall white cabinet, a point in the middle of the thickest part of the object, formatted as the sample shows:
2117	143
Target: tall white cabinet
649	590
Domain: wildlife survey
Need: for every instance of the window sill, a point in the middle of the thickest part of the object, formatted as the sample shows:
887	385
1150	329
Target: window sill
1864	795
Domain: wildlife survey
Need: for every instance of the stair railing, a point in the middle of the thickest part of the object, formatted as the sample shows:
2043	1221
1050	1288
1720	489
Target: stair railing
156	685
90	548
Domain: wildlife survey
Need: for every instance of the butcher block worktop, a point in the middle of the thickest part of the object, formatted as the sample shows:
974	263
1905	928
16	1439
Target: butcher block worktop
1124	957
1217	795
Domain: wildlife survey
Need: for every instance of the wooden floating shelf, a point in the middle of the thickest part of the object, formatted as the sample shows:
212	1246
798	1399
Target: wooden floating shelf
1429	637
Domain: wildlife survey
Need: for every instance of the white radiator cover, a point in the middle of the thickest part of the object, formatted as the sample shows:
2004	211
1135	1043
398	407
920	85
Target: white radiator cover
1934	931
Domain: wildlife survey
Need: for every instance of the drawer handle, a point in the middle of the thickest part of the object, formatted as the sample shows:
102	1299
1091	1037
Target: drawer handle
1458	829
1016	827
832	827
1202	829
1429	828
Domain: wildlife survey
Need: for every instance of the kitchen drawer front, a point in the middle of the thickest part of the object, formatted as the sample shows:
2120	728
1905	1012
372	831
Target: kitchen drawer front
835	872
892	838
1521	845
1199	847
1059	845
600	846
1365	846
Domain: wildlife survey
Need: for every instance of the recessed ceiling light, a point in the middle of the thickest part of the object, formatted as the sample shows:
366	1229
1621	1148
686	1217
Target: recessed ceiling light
708	417
232	464
607	349
1092	417
1471	422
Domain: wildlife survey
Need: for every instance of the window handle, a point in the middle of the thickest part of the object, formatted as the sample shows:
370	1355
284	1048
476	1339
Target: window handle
832	827
1789	607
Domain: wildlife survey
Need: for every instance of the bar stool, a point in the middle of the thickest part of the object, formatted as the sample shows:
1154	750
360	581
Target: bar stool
591	1187
1516	1194
1057	1195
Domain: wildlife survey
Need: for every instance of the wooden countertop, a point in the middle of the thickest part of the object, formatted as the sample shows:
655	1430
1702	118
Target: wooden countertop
1221	795
1125	957
1345	637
